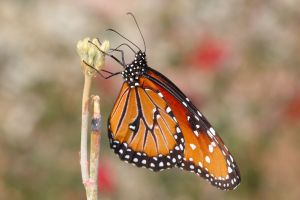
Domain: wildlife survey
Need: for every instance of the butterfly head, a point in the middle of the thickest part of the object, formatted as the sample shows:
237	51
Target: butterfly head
135	69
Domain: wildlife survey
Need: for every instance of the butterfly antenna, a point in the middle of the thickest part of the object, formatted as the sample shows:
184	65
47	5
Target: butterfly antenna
131	14
124	44
122	37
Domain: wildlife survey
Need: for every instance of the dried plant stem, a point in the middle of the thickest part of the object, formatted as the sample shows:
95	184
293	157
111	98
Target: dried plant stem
84	129
92	190
92	59
90	177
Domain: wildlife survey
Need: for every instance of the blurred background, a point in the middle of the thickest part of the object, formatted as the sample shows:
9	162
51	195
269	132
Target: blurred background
237	60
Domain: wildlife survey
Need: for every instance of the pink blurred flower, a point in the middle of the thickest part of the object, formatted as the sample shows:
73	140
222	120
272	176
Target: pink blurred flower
209	54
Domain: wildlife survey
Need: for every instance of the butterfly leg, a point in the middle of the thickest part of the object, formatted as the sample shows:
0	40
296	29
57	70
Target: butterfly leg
107	54
105	77
122	54
111	74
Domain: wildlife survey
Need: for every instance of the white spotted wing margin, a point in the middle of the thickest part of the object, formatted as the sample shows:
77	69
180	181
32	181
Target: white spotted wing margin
213	151
143	131
207	156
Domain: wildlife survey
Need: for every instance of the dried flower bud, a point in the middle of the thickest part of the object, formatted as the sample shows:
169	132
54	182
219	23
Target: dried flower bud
89	52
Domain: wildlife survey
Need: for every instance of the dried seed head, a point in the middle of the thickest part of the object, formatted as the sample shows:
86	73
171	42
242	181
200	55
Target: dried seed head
88	51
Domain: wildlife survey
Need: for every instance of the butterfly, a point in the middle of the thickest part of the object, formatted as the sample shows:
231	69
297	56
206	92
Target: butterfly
154	125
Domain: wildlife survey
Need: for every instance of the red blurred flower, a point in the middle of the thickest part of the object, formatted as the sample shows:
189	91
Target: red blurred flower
106	182
292	109
209	54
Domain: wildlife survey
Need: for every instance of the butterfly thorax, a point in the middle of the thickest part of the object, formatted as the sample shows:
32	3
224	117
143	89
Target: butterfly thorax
135	69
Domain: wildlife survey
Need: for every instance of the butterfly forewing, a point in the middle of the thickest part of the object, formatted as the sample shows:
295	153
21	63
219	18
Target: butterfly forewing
144	131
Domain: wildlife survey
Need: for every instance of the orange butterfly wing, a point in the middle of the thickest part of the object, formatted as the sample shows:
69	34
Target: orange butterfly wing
205	153
143	130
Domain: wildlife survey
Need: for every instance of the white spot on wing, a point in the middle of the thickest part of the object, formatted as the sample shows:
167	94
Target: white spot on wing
199	114
225	148
181	147
212	131
209	134
193	146
214	144
228	162
161	164
196	133
207	159
174	118
200	164
168	109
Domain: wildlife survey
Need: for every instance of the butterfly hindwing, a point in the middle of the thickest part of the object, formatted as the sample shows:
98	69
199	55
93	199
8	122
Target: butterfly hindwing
144	131
205	153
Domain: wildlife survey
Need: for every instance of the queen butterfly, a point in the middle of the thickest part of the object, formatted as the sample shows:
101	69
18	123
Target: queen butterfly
155	126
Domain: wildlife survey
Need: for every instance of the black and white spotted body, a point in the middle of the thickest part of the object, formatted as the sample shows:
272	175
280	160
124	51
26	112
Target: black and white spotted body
135	69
